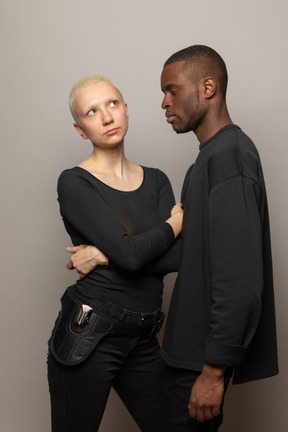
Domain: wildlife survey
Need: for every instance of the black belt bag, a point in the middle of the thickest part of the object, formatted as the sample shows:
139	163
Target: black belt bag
80	327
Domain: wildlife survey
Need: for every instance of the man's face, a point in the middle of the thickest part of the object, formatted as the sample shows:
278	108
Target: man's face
182	101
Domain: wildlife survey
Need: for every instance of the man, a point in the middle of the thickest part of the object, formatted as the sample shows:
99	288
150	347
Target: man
221	318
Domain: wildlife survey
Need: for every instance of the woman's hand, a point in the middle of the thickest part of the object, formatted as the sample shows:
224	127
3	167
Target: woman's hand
85	258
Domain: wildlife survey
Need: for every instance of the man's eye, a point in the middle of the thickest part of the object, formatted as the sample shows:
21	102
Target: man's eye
91	112
173	92
114	103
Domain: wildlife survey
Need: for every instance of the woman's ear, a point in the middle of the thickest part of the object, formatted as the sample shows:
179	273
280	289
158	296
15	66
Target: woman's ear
80	131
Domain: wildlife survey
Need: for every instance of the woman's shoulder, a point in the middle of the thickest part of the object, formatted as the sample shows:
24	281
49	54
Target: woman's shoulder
74	177
156	172
156	176
74	172
67	172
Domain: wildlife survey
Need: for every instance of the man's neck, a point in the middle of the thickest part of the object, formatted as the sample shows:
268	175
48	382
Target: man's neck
214	121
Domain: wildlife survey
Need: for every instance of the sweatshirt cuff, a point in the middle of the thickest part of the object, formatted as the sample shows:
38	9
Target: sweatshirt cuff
221	354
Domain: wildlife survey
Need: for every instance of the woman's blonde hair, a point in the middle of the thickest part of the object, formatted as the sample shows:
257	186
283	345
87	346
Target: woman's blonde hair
86	81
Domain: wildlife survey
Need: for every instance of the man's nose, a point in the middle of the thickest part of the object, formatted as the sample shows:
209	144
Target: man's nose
166	102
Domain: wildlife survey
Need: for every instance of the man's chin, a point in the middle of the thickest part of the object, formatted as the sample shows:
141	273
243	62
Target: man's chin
176	129
181	131
180	128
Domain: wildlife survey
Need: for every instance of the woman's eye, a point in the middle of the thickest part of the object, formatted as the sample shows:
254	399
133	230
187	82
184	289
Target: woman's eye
91	112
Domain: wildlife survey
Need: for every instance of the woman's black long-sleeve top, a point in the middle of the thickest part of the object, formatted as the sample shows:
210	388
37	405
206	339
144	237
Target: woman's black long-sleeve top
129	227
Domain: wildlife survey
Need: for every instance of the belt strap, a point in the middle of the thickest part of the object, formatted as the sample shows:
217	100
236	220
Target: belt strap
138	330
112	310
126	322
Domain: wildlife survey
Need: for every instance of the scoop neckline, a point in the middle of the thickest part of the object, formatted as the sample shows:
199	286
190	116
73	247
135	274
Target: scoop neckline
110	187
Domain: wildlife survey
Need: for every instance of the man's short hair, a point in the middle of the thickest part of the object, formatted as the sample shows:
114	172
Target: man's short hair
86	81
202	62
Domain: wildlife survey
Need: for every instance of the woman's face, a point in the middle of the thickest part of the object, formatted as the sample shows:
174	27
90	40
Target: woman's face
102	114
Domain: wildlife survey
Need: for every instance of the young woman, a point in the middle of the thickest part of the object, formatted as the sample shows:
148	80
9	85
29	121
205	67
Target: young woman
105	334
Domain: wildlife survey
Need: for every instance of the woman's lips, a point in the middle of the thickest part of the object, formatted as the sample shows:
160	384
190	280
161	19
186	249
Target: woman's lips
111	131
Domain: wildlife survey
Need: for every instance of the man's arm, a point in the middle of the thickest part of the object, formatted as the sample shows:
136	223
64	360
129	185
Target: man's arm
236	287
236	270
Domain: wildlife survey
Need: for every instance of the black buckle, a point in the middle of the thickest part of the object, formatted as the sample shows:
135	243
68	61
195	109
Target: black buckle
158	324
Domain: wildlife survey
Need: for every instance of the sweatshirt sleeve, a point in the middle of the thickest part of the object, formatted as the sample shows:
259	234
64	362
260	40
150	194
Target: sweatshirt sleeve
84	210
236	269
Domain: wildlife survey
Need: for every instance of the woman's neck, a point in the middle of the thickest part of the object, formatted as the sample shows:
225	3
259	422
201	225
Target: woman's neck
114	169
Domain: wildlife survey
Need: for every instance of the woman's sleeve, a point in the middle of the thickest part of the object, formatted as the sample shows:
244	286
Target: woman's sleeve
87	212
168	262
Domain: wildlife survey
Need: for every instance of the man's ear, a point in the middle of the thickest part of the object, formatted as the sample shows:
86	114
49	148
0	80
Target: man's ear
209	87
80	131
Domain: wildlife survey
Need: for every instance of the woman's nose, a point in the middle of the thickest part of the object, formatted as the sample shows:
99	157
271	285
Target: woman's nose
107	117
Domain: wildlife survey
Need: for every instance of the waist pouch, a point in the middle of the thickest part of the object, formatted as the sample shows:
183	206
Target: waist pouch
80	327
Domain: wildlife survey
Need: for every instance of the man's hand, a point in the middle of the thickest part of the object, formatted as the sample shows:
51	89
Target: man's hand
176	219
207	393
177	208
85	258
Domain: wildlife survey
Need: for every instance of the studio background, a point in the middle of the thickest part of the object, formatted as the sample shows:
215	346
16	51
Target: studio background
45	48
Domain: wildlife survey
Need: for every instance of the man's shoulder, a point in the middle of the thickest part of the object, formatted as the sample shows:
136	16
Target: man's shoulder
231	142
232	153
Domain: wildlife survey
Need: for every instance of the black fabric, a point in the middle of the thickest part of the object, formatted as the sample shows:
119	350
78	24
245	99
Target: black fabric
174	417
71	343
131	365
222	307
129	227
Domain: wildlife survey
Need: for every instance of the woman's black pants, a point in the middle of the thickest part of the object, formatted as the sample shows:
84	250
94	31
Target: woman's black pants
131	365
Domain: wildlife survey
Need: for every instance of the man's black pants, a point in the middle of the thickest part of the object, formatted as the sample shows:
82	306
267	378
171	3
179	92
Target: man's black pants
177	384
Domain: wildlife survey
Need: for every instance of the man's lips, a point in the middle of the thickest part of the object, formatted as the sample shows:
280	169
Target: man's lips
111	131
170	117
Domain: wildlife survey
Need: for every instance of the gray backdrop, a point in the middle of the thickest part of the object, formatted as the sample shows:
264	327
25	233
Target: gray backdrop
45	48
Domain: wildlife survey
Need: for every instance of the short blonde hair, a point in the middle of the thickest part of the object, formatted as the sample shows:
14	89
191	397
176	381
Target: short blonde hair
86	81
